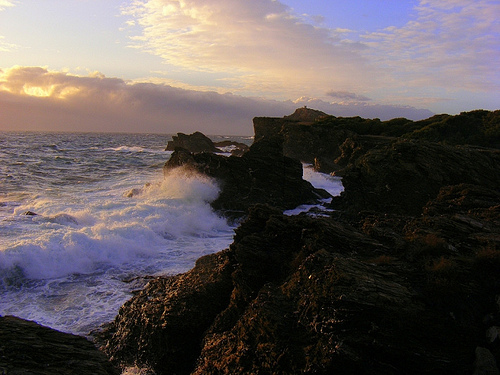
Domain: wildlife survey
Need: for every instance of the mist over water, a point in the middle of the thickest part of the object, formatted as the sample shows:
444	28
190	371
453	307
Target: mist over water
101	217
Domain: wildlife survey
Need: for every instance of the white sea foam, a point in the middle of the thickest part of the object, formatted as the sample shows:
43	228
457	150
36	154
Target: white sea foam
105	215
331	184
66	266
91	234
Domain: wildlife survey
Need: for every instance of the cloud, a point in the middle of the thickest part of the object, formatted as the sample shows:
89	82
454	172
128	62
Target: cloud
35	98
259	45
261	48
4	46
348	96
452	44
6	4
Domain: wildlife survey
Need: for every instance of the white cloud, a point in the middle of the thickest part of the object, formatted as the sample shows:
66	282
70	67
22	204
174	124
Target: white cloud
257	44
6	4
451	44
261	48
348	96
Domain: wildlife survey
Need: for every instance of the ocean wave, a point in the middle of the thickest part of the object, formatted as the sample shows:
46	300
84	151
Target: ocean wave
111	231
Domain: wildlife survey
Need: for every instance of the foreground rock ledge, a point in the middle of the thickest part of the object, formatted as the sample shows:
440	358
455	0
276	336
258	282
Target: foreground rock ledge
303	295
29	348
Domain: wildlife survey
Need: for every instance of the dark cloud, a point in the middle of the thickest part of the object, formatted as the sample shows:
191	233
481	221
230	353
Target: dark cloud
37	99
350	96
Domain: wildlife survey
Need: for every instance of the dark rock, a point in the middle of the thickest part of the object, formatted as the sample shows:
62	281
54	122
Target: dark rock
163	325
403	279
485	363
237	148
196	142
403	176
305	114
303	141
261	175
294	295
29	348
316	138
480	128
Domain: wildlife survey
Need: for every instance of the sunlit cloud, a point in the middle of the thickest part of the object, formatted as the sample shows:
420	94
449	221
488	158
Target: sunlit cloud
35	98
257	45
6	4
262	48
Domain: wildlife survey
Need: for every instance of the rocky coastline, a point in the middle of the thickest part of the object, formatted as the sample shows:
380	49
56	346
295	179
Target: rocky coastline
402	278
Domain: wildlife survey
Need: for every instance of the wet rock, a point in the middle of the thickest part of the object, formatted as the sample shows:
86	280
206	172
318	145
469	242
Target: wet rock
29	348
261	175
293	295
163	325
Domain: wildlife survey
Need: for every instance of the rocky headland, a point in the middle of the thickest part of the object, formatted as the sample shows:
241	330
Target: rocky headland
402	278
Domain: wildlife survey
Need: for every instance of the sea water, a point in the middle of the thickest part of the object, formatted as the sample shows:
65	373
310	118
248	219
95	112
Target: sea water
86	218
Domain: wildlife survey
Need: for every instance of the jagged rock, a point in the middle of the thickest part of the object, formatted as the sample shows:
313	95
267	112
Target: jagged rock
313	137
403	176
293	295
29	348
306	142
261	175
163	325
196	142
480	127
402	279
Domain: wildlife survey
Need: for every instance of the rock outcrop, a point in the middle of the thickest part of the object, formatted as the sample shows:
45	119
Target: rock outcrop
402	176
261	175
311	295
196	142
316	138
403	278
29	348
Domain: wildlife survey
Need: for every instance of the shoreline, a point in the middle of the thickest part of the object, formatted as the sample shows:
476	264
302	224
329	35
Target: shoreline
402	278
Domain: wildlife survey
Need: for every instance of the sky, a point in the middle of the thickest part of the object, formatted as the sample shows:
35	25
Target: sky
168	66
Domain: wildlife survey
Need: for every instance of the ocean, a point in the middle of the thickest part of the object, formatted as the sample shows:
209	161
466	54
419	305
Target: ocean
87	218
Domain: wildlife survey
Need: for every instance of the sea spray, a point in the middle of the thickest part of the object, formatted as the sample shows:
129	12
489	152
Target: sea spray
102	219
67	264
331	184
72	275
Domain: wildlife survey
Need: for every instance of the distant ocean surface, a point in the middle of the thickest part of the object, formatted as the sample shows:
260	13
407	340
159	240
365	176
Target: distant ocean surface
90	244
